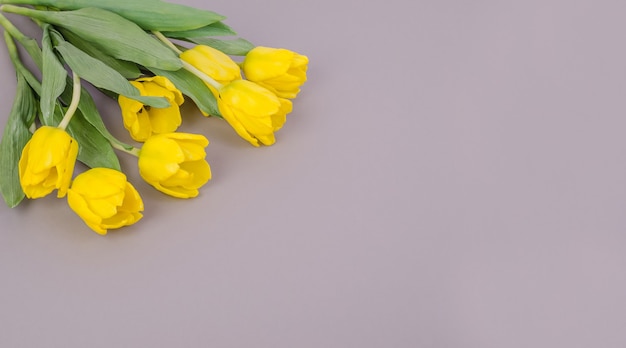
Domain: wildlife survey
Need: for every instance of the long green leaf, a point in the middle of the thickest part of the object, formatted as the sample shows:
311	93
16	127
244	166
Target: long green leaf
214	29
111	33
103	76
191	86
94	149
127	69
54	76
16	135
236	47
148	14
91	114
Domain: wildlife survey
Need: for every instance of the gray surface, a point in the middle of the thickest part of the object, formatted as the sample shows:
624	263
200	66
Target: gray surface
453	175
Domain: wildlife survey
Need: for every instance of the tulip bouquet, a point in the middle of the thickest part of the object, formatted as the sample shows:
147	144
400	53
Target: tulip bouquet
150	56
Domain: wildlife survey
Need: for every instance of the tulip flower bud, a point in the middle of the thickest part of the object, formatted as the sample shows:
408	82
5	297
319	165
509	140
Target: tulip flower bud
142	121
105	200
47	162
215	64
253	111
174	163
279	70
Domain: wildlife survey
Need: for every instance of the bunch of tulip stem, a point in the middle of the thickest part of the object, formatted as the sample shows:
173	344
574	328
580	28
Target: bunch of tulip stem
35	161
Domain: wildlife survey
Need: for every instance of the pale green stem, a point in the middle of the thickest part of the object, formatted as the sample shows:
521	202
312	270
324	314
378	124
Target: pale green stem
166	41
6	23
17	2
204	77
74	104
132	151
29	44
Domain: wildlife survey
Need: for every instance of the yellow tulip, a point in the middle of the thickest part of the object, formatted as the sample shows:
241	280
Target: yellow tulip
141	120
277	69
175	163
253	111
214	63
104	199
47	162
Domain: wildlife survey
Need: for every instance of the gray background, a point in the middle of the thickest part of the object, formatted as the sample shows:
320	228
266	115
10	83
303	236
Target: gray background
453	175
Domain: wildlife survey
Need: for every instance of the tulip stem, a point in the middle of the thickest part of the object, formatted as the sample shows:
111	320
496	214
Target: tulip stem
74	104
204	77
166	41
131	151
17	63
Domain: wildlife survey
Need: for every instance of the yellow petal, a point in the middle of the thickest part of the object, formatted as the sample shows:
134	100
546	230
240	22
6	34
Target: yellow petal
79	205
49	147
192	175
201	173
106	207
263	62
132	199
196	138
212	62
192	150
68	169
165	120
229	116
278	119
179	179
176	191
249	98
300	61
129	104
37	191
121	220
192	145
159	158
174	95
92	183
267	140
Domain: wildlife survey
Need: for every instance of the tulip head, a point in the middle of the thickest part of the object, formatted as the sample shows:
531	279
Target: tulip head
253	111
141	120
104	199
47	162
213	63
279	70
175	164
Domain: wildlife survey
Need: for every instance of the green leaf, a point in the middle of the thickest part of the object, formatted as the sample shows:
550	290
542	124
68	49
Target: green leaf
103	76
148	14
127	69
191	86
236	47
54	76
109	32
94	150
16	135
214	29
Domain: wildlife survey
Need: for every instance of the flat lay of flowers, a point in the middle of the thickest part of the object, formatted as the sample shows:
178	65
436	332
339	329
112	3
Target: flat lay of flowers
150	56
